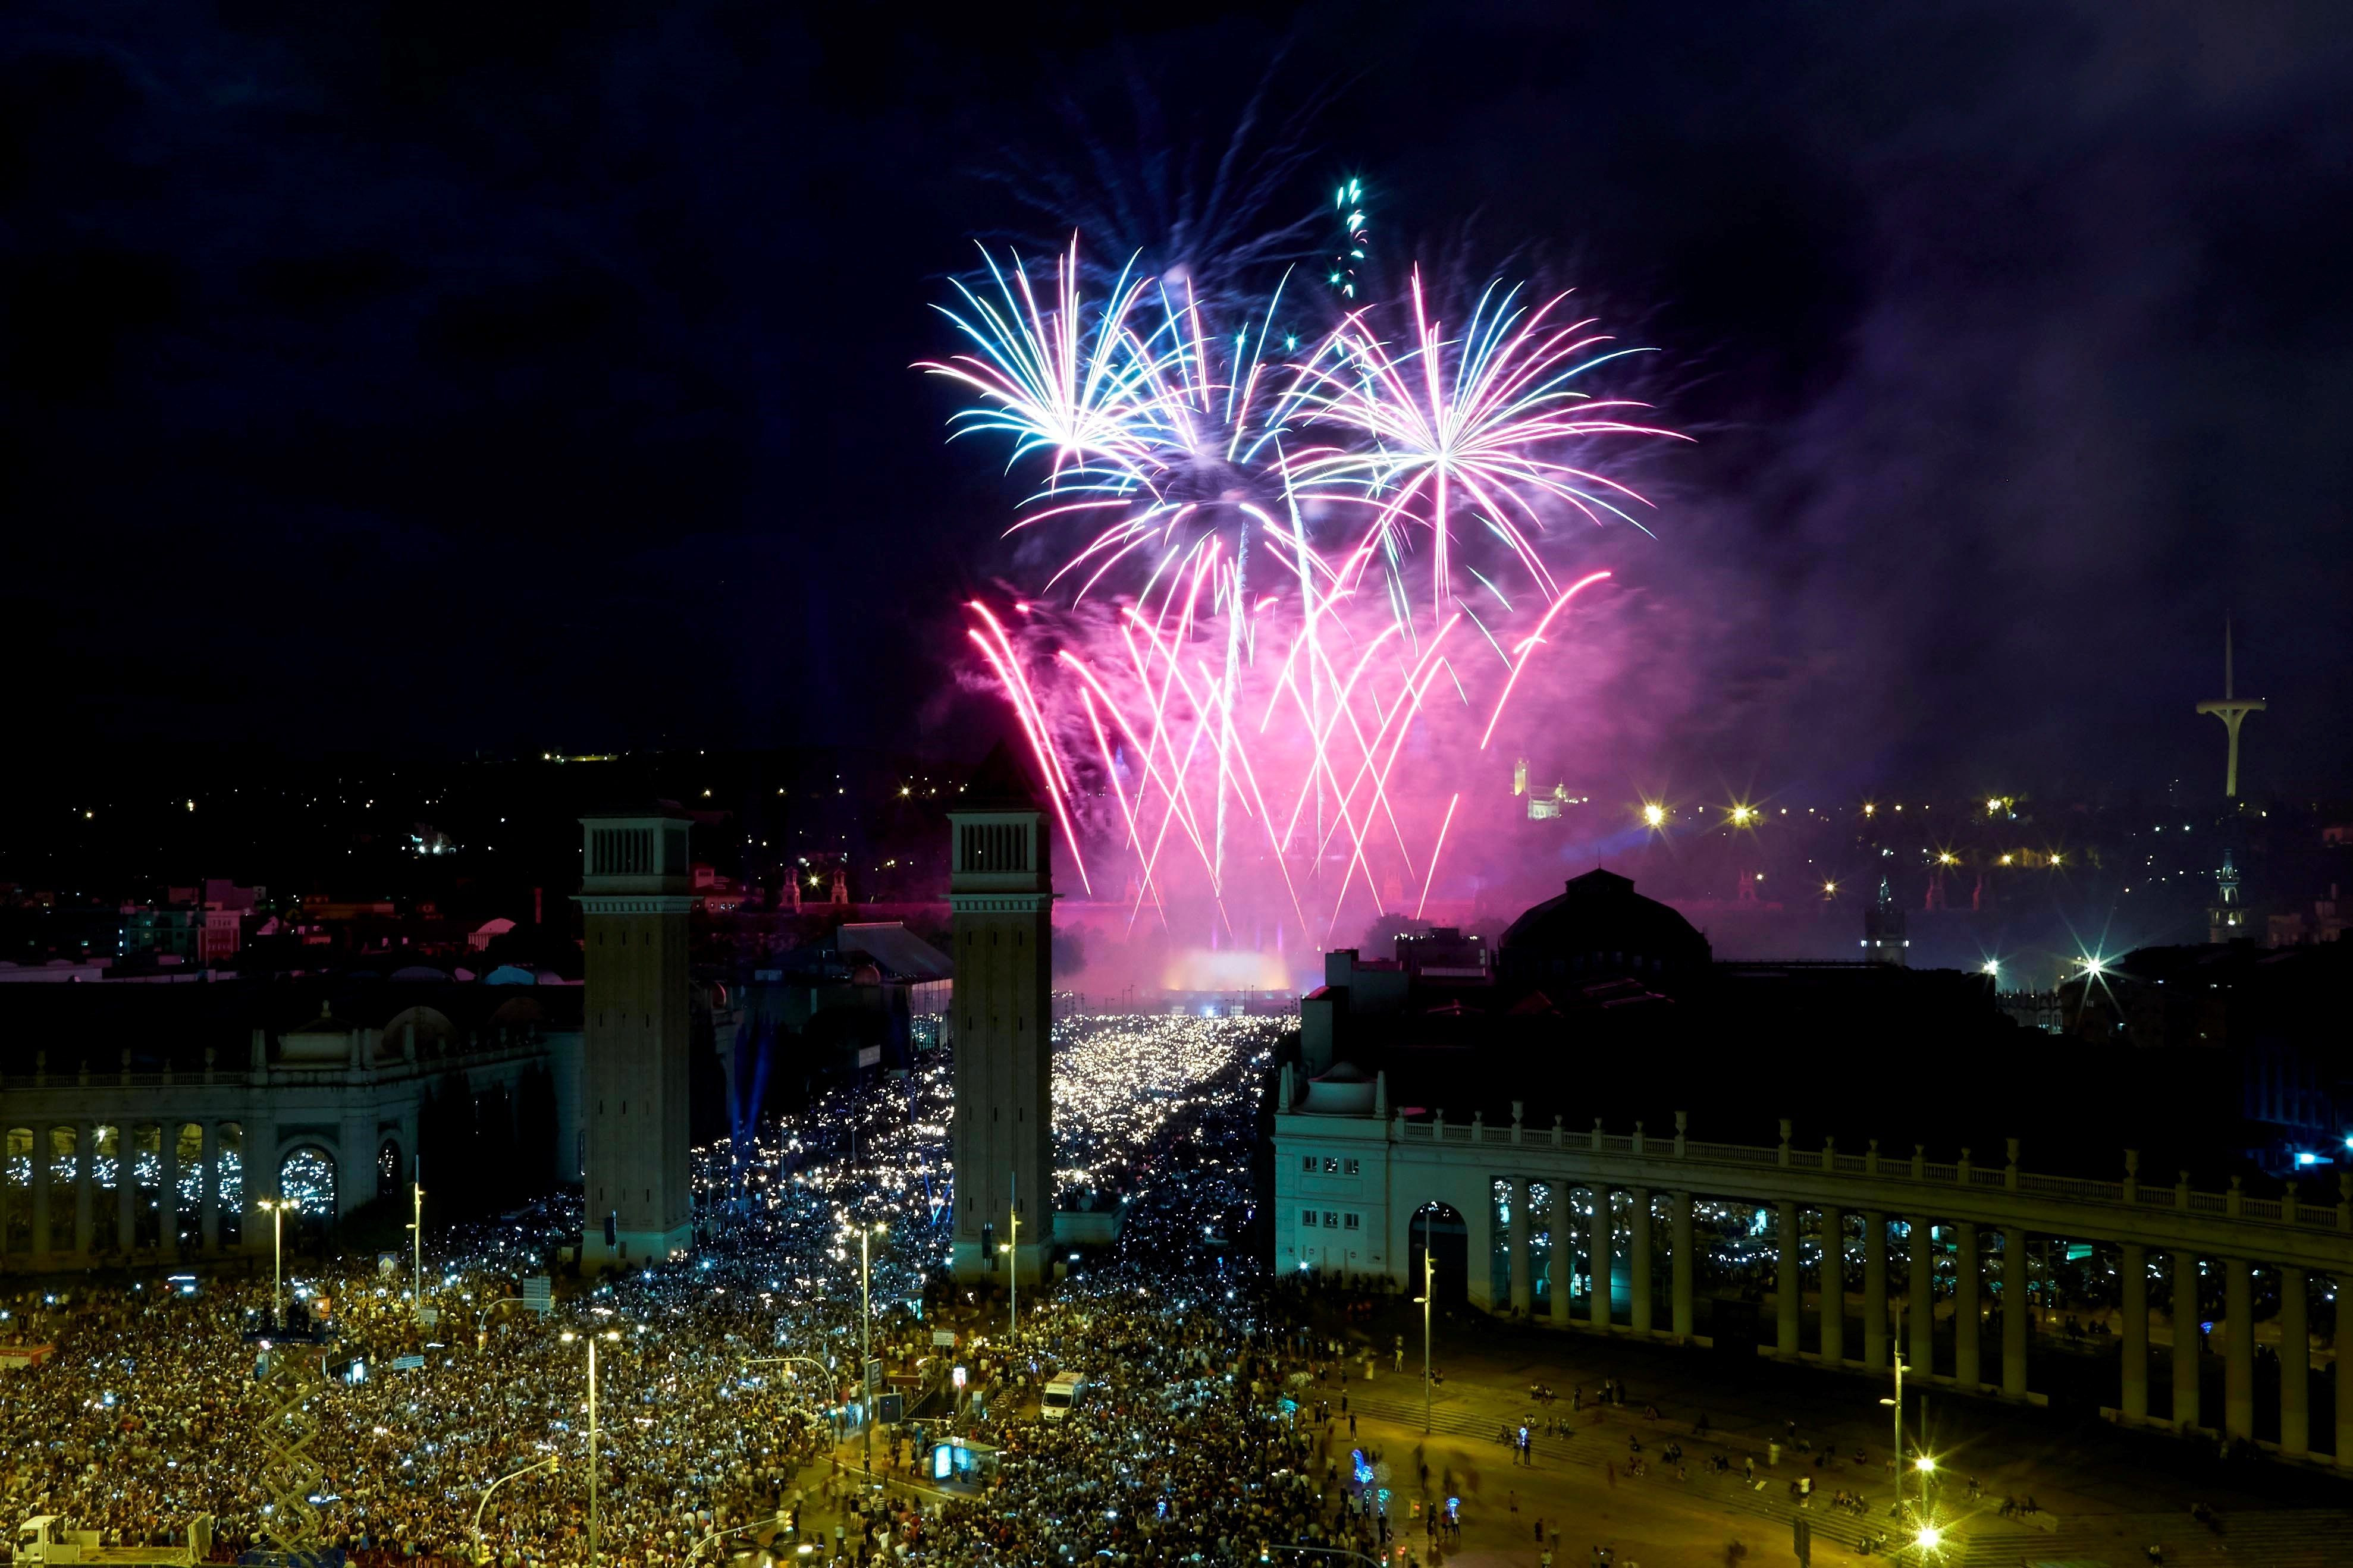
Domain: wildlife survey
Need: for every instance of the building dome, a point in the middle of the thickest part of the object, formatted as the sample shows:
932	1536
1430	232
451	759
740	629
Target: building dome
1599	928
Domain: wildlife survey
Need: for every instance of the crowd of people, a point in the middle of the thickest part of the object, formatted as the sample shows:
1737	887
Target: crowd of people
726	1380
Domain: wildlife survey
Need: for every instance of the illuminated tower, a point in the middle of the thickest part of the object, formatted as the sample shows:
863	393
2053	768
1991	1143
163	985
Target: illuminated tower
1001	889
1884	940
2232	711
2226	917
634	900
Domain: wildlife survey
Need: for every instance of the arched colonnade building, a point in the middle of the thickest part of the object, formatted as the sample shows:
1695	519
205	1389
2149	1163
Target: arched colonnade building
1962	1237
1817	1252
146	1123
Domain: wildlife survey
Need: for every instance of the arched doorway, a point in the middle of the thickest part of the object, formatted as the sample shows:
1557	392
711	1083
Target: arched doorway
1440	1229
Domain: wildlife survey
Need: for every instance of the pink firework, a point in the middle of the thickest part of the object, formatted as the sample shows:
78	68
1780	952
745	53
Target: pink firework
1262	664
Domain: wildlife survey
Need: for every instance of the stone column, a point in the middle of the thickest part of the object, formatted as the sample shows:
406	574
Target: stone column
1678	1238
1834	1286
211	1220
126	1190
355	1161
259	1154
2132	1266
1638	1257
1604	1246
2185	1340
167	1229
85	1195
2296	1365
2344	1392
2014	1311
1523	1281
1788	1288
1967	1319
42	1243
1560	1261
2239	1352
1920	1287
1874	1291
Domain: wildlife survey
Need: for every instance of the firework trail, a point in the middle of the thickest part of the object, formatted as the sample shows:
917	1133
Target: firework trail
1283	560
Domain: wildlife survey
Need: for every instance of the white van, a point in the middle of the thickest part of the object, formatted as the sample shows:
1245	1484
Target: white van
1061	1394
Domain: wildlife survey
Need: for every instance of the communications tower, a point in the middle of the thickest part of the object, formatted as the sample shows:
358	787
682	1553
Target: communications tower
1001	891
2232	711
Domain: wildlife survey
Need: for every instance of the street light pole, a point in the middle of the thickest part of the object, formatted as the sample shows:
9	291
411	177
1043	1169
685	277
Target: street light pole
1013	1260
476	1528
609	1335
416	1230
1429	1276
866	1346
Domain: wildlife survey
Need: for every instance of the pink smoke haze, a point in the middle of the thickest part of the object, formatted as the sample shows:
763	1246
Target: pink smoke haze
1295	607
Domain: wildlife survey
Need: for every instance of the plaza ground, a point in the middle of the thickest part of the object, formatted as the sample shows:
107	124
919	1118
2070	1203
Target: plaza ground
2103	1495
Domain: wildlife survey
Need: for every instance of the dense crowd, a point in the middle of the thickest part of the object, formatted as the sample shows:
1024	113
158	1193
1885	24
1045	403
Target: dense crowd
1189	1445
723	1399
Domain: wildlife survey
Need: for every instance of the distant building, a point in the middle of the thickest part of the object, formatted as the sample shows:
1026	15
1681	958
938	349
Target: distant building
2265	1026
1586	1134
1883	938
2327	922
2226	917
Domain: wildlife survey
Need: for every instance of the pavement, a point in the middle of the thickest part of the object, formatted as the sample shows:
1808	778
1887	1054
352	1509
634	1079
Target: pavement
2103	1495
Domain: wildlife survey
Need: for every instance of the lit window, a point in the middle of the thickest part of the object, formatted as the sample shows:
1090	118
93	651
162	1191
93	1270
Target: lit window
1352	1165
1331	1219
1331	1165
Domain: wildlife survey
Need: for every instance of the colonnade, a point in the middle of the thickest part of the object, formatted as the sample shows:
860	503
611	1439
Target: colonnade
1880	1318
52	1195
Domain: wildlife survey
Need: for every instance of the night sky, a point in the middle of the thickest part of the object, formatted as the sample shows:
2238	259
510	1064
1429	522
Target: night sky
459	376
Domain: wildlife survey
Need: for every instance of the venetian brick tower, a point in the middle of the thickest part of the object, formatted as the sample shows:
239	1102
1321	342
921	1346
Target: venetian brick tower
1001	889
634	900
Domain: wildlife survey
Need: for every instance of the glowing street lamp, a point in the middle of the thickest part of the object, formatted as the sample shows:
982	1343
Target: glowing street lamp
1654	816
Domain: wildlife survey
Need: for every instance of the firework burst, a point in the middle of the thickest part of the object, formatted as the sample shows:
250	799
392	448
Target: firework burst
1270	588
